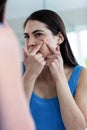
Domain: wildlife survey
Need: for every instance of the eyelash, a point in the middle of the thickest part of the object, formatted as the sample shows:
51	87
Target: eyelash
26	37
38	34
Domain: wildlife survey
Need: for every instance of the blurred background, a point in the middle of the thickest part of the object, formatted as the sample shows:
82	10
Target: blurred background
73	13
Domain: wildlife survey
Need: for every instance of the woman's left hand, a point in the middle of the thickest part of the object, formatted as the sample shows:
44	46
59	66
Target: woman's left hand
55	62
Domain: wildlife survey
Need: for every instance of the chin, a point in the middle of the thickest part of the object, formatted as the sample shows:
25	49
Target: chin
46	54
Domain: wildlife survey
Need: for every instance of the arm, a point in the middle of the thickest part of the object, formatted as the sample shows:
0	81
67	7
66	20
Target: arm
14	109
73	111
72	115
81	94
34	63
28	82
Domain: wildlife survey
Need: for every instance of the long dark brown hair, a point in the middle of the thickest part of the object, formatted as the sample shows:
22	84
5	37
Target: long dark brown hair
55	24
2	9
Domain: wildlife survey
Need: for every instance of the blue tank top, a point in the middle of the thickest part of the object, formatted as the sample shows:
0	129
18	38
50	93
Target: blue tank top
46	112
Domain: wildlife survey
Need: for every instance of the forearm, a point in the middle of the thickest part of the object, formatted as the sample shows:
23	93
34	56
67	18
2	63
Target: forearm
72	116
28	82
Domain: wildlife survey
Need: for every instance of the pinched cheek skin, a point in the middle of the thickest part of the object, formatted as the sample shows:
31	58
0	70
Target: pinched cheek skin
45	51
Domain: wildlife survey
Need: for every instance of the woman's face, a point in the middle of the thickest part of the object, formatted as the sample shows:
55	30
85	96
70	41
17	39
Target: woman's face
35	33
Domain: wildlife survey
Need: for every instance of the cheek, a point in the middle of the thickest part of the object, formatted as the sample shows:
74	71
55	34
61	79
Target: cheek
45	51
52	41
26	44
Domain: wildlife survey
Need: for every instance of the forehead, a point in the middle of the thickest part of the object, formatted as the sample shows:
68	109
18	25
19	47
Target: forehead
33	25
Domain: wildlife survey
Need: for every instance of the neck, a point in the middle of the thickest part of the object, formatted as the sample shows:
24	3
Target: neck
45	76
44	85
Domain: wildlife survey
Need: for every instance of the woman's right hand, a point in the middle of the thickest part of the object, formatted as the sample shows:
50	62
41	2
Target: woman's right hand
34	62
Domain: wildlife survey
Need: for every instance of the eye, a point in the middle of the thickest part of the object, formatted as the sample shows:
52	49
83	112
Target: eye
38	35
26	37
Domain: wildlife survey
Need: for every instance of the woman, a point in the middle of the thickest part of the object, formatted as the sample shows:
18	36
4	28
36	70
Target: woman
14	113
54	83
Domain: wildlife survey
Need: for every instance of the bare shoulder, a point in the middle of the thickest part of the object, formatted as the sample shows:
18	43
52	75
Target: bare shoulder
83	79
9	47
8	41
82	83
7	38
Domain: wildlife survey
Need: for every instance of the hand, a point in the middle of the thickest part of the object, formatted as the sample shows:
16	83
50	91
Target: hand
34	61
55	62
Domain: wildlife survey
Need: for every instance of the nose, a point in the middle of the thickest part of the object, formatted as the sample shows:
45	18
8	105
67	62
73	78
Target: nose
30	42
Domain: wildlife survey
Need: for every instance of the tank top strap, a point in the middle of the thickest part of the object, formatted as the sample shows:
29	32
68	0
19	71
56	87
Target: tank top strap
73	81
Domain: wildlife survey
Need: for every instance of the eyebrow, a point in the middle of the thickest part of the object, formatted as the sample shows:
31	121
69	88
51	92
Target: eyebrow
34	32
25	33
37	31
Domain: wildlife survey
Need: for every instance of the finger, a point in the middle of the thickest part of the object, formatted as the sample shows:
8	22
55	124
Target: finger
25	53
36	49
39	55
41	59
48	64
44	62
49	61
58	49
52	56
51	48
